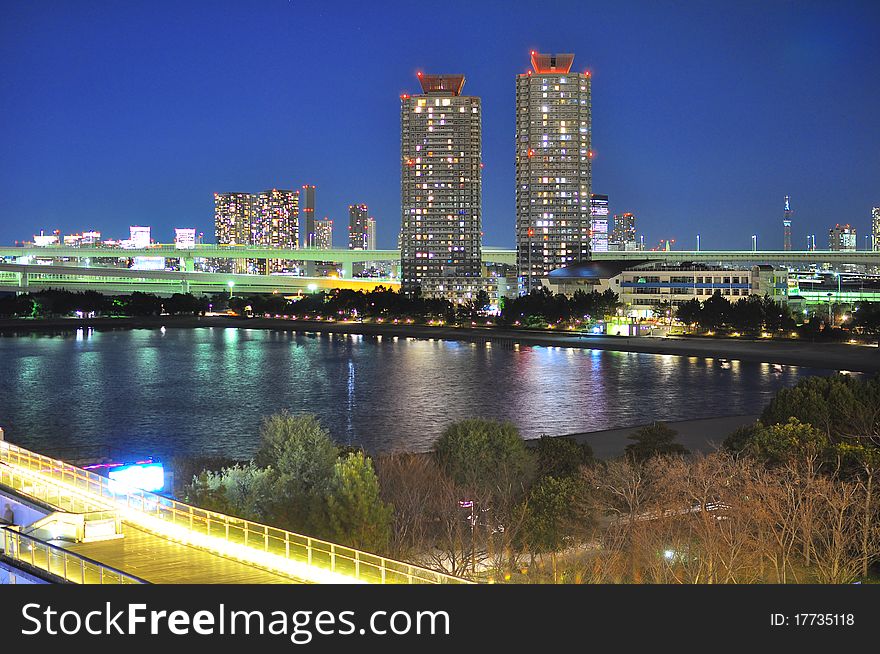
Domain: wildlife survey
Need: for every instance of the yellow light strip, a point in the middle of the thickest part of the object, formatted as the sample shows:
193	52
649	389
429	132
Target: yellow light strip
164	529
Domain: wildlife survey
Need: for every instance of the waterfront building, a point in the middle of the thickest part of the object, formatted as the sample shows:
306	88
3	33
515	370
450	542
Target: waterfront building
139	237
786	224
440	150
647	286
462	290
553	167
598	223
623	235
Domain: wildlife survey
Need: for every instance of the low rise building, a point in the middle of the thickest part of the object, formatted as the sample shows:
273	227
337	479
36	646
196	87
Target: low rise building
643	286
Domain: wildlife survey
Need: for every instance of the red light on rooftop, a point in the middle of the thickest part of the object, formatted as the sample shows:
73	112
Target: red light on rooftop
419	74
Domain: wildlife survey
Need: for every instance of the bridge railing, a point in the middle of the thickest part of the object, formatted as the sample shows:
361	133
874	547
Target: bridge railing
346	561
60	562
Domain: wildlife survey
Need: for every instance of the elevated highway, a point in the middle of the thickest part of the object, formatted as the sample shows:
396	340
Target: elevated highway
15	277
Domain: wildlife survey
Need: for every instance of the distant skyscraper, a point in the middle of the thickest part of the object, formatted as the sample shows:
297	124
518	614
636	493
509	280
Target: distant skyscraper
139	237
185	239
371	233
598	223
623	235
786	224
308	194
842	237
275	224
358	219
875	228
324	234
553	167
440	179
232	226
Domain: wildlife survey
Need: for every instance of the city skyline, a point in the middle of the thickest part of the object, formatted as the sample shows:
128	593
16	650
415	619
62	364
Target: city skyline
694	158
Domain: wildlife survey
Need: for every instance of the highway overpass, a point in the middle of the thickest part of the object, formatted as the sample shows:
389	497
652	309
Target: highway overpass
22	278
234	252
748	257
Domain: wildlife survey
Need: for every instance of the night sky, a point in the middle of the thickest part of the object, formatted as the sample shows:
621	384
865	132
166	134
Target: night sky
705	113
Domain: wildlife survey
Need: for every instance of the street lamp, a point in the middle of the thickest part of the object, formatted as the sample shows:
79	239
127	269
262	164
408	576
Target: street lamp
698	242
230	284
754	242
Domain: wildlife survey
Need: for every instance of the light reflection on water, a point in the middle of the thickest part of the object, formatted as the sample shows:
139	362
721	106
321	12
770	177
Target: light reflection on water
203	391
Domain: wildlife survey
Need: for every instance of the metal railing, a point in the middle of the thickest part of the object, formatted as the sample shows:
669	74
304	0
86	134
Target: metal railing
346	561
60	562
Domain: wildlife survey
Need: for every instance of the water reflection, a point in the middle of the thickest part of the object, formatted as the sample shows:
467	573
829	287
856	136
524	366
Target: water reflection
206	390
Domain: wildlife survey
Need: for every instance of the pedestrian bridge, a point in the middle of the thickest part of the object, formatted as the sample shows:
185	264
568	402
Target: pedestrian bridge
83	528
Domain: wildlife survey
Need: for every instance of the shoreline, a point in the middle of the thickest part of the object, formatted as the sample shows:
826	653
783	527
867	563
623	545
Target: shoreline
699	435
826	356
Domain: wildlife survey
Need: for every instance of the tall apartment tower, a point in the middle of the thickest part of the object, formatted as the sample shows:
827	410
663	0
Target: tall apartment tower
371	233
323	234
358	224
623	235
842	237
786	224
553	167
275	224
232	226
440	182
598	223
308	209
875	228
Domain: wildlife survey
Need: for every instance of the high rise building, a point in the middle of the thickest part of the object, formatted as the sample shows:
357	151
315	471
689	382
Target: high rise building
323	234
553	167
308	202
185	238
842	237
371	233
598	223
875	228
623	235
440	180
275	224
786	225
232	226
139	237
358	220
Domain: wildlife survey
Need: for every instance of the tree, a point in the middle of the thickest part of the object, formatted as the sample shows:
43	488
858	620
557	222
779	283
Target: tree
689	312
489	462
240	490
300	456
715	313
656	439
557	517
479	453
776	444
842	406
357	516
561	457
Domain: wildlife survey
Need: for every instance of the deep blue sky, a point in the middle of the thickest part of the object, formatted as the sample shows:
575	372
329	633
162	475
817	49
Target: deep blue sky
706	113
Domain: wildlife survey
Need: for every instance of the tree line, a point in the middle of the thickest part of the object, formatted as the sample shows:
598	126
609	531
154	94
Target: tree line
52	303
